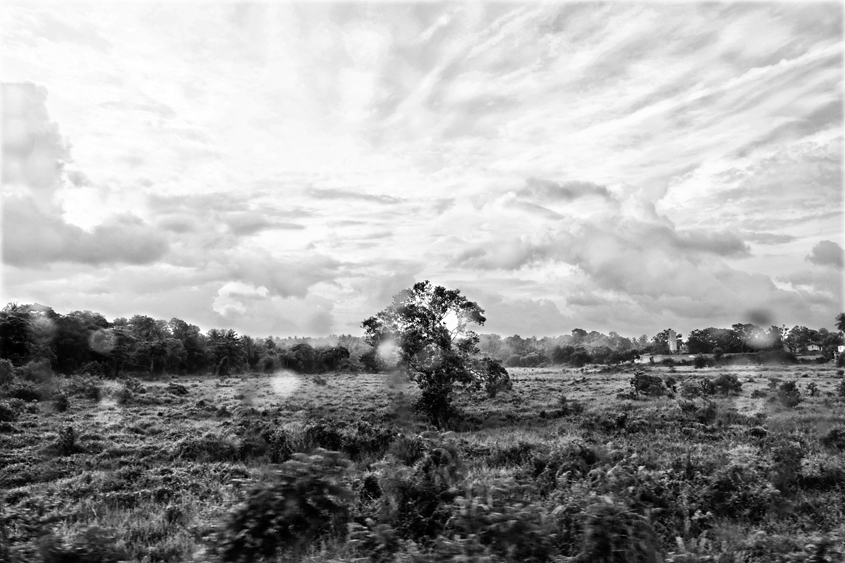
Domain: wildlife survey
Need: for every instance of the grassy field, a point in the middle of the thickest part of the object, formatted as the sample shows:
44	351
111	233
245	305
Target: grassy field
570	465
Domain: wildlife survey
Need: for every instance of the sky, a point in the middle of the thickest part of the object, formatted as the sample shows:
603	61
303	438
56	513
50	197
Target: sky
284	169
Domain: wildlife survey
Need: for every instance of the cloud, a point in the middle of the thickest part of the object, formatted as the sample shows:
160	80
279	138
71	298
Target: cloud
567	191
524	316
334	193
281	276
35	233
762	237
238	303
32	238
554	156
826	253
248	223
721	243
34	153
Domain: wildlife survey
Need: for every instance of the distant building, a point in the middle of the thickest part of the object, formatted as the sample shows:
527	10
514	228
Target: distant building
673	342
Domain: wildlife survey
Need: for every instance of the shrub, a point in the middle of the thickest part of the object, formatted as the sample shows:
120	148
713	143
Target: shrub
727	384
502	517
690	389
61	402
786	465
569	407
788	394
7	413
574	459
325	434
177	389
66	442
835	438
693	388
513	454
7	372
267	364
25	391
85	387
407	449
37	371
699	362
740	489
209	447
94	545
306	500
615	534
417	500
645	384
123	396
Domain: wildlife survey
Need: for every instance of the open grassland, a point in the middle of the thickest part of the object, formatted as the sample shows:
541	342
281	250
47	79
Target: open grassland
570	465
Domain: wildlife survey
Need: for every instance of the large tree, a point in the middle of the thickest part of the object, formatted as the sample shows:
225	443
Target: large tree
428	329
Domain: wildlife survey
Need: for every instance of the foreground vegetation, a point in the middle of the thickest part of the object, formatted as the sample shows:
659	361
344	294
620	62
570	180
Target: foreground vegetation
599	464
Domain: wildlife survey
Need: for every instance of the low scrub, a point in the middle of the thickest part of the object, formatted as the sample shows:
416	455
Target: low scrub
307	498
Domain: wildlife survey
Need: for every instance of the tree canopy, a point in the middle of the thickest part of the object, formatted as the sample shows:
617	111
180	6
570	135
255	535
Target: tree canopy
428	329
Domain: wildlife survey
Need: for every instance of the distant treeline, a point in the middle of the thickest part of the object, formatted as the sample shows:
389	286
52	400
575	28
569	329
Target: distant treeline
84	341
581	347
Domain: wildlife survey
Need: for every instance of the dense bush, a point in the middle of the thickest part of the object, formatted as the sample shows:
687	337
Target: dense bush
7	413
505	518
417	501
789	394
834	438
306	499
26	391
66	443
61	402
645	384
741	490
86	387
615	534
727	384
786	465
7	372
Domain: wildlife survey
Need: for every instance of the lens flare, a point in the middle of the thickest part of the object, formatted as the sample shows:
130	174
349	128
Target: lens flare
285	383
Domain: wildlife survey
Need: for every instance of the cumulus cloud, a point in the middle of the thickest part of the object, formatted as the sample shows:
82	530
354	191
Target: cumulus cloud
826	253
282	276
524	316
34	153
35	232
33	238
240	303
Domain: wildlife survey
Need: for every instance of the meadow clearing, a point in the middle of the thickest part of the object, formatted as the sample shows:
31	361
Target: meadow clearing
571	465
